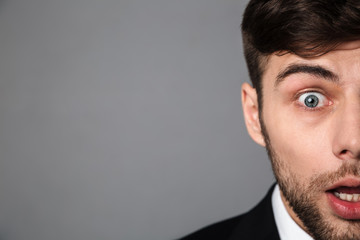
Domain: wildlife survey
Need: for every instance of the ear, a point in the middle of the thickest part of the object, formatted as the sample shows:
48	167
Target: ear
251	113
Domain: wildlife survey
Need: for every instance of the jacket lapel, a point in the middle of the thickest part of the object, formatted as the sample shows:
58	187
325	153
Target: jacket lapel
258	223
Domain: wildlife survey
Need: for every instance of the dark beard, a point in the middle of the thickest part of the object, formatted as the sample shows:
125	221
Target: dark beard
302	199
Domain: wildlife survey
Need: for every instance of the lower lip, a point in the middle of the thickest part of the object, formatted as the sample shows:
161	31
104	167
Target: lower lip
344	209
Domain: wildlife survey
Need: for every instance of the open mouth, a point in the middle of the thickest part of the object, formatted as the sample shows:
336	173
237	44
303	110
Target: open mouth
344	199
349	194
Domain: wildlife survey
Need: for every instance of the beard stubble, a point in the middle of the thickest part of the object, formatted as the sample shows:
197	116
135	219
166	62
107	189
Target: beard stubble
303	198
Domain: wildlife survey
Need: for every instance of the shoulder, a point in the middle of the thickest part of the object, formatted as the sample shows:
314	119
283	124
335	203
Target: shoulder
245	226
220	230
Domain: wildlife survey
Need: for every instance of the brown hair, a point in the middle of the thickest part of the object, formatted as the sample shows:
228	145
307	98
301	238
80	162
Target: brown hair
306	28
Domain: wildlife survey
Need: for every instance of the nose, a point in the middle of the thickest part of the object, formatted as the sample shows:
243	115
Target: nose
346	141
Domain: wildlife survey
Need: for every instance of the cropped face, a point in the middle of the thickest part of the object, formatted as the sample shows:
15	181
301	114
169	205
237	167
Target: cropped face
310	125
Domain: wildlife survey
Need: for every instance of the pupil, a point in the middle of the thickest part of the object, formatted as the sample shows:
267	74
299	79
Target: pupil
311	101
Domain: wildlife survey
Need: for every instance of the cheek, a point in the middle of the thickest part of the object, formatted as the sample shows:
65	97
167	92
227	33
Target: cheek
303	149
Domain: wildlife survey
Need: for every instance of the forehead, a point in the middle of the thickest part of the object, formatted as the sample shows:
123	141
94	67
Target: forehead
342	61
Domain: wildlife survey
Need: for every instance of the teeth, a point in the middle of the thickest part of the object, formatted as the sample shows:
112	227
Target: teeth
356	197
348	197
342	196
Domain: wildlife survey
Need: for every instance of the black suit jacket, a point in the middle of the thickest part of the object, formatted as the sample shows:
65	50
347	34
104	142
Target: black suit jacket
257	224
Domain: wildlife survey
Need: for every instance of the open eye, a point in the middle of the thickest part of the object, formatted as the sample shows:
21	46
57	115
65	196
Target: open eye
312	99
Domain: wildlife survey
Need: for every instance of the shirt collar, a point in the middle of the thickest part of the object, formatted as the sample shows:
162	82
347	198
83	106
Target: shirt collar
287	227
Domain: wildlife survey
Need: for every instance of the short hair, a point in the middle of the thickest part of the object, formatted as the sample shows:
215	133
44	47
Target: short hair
306	28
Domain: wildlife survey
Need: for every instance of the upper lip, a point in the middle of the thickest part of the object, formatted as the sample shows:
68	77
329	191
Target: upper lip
346	182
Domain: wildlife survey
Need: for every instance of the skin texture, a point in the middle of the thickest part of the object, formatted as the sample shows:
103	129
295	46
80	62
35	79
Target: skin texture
315	149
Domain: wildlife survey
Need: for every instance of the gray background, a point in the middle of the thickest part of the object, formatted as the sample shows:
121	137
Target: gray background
121	119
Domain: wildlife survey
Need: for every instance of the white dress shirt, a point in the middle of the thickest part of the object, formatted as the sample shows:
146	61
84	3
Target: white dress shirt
287	227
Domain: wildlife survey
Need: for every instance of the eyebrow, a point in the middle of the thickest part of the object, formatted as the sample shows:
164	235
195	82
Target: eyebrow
315	70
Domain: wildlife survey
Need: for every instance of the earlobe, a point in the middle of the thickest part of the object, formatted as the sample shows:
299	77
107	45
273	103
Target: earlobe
251	113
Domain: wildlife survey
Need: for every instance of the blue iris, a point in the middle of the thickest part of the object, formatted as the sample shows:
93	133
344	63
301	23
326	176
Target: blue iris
311	101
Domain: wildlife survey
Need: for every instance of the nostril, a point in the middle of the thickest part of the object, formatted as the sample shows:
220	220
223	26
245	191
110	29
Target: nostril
346	153
343	152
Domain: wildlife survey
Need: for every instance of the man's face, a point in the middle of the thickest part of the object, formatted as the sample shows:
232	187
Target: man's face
311	123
